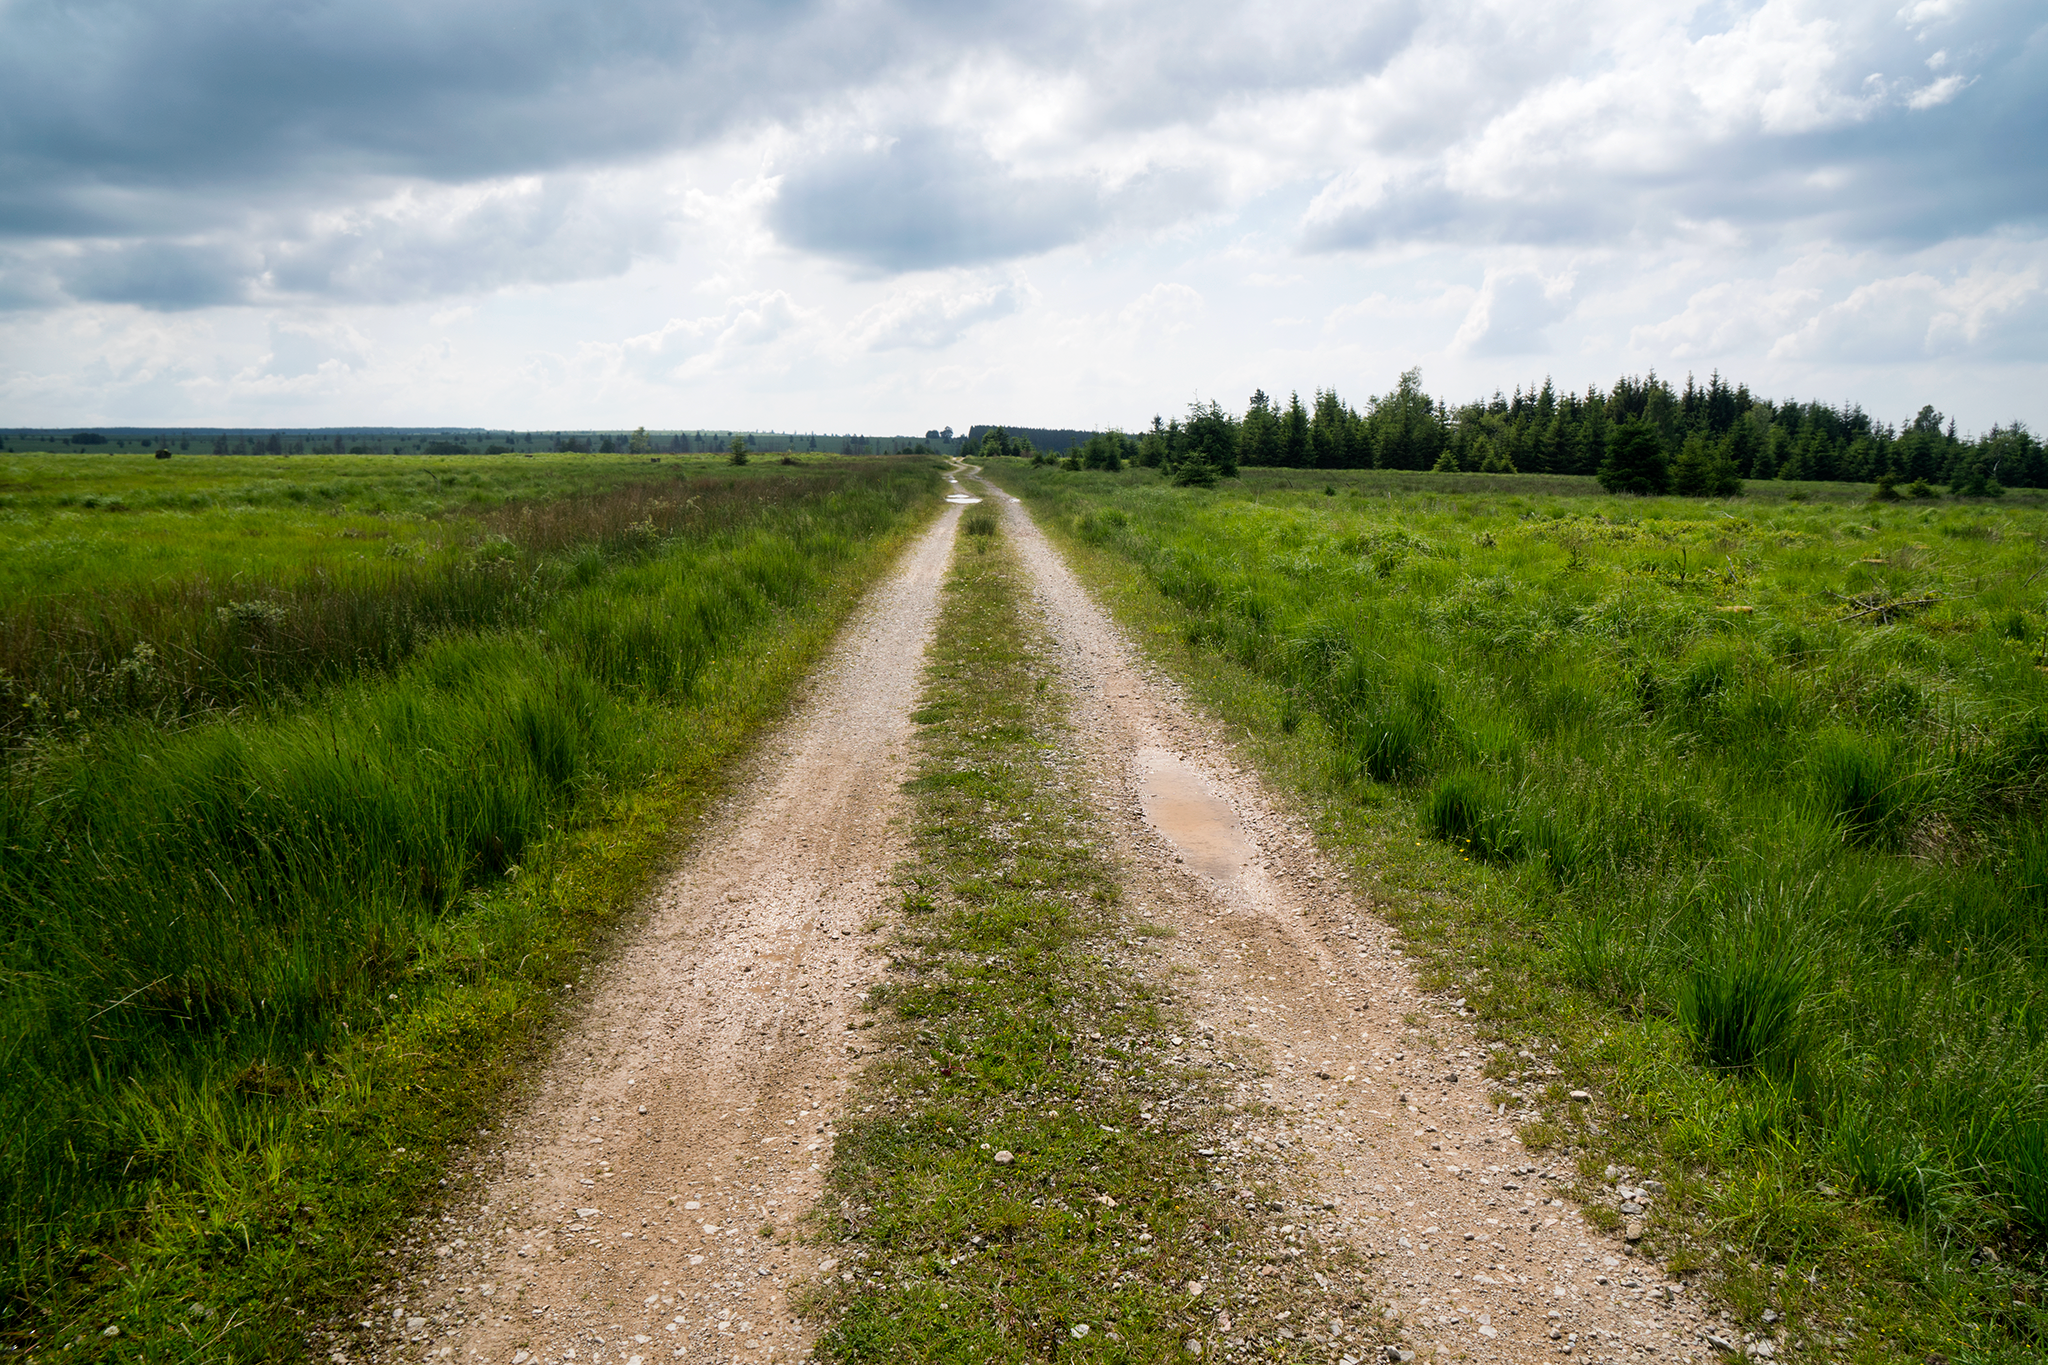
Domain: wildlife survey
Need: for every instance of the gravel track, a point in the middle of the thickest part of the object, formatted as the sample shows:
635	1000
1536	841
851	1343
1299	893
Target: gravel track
690	1102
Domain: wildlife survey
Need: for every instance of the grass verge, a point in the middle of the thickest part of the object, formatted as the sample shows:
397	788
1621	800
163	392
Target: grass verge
1025	1176
1664	816
281	967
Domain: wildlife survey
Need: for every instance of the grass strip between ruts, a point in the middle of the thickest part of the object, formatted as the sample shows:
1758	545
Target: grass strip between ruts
997	1193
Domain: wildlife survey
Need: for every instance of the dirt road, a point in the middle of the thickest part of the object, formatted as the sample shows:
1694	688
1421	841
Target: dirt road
637	1208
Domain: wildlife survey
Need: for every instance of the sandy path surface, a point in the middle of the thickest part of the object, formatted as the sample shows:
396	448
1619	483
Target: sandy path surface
1382	1109
689	1104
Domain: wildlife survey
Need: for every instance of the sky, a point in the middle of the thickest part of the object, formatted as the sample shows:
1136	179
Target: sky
886	216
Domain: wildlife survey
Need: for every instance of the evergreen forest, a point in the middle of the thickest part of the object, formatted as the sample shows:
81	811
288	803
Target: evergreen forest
1641	436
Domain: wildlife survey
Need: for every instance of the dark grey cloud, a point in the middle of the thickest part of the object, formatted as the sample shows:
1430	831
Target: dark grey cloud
184	153
167	276
927	199
123	115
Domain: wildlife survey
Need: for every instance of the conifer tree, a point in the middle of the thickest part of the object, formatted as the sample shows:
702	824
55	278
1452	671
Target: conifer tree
1635	459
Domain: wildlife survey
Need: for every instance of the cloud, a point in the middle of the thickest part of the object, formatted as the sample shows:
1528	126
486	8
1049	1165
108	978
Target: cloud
1510	314
1726	318
1994	313
932	318
433	242
750	325
298	349
927	199
169	276
1780	120
118	110
543	206
1164	309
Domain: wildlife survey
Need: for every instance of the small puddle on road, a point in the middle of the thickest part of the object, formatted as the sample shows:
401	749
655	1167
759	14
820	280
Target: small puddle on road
1178	803
961	498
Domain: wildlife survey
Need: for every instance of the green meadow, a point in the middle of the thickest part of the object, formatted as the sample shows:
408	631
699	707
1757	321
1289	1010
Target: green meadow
1741	800
91	522
323	778
178	587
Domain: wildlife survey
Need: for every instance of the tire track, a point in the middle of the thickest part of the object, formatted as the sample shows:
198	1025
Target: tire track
640	1202
1480	1253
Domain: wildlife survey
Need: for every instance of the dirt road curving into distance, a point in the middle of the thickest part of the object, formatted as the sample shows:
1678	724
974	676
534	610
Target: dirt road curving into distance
636	1207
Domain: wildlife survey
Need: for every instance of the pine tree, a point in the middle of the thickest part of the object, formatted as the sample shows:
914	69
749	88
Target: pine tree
1260	431
1194	470
1635	460
1294	434
736	453
1704	469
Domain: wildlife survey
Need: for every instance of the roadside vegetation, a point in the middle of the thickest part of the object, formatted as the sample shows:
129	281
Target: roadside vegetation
1740	801
281	932
1022	1178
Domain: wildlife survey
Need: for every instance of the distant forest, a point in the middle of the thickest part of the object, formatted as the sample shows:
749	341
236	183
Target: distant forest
439	441
1643	435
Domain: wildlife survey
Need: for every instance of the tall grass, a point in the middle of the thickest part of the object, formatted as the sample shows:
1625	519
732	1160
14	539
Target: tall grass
197	919
220	637
1738	786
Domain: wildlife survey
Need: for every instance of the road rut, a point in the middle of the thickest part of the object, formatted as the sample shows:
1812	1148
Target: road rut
1387	1121
689	1103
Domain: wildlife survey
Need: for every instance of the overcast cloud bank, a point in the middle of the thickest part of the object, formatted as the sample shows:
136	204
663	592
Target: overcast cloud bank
896	215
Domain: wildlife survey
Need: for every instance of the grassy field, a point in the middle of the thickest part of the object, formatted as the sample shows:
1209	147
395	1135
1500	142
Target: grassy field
175	587
89	522
265	963
1741	800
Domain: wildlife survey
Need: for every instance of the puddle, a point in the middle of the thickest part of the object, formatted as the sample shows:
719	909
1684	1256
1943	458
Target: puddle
961	498
1178	803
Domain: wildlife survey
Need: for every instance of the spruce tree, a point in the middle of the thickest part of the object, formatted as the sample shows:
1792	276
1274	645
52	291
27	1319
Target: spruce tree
1635	460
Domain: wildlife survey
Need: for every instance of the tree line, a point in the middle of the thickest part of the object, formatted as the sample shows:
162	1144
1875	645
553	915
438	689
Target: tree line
1643	435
